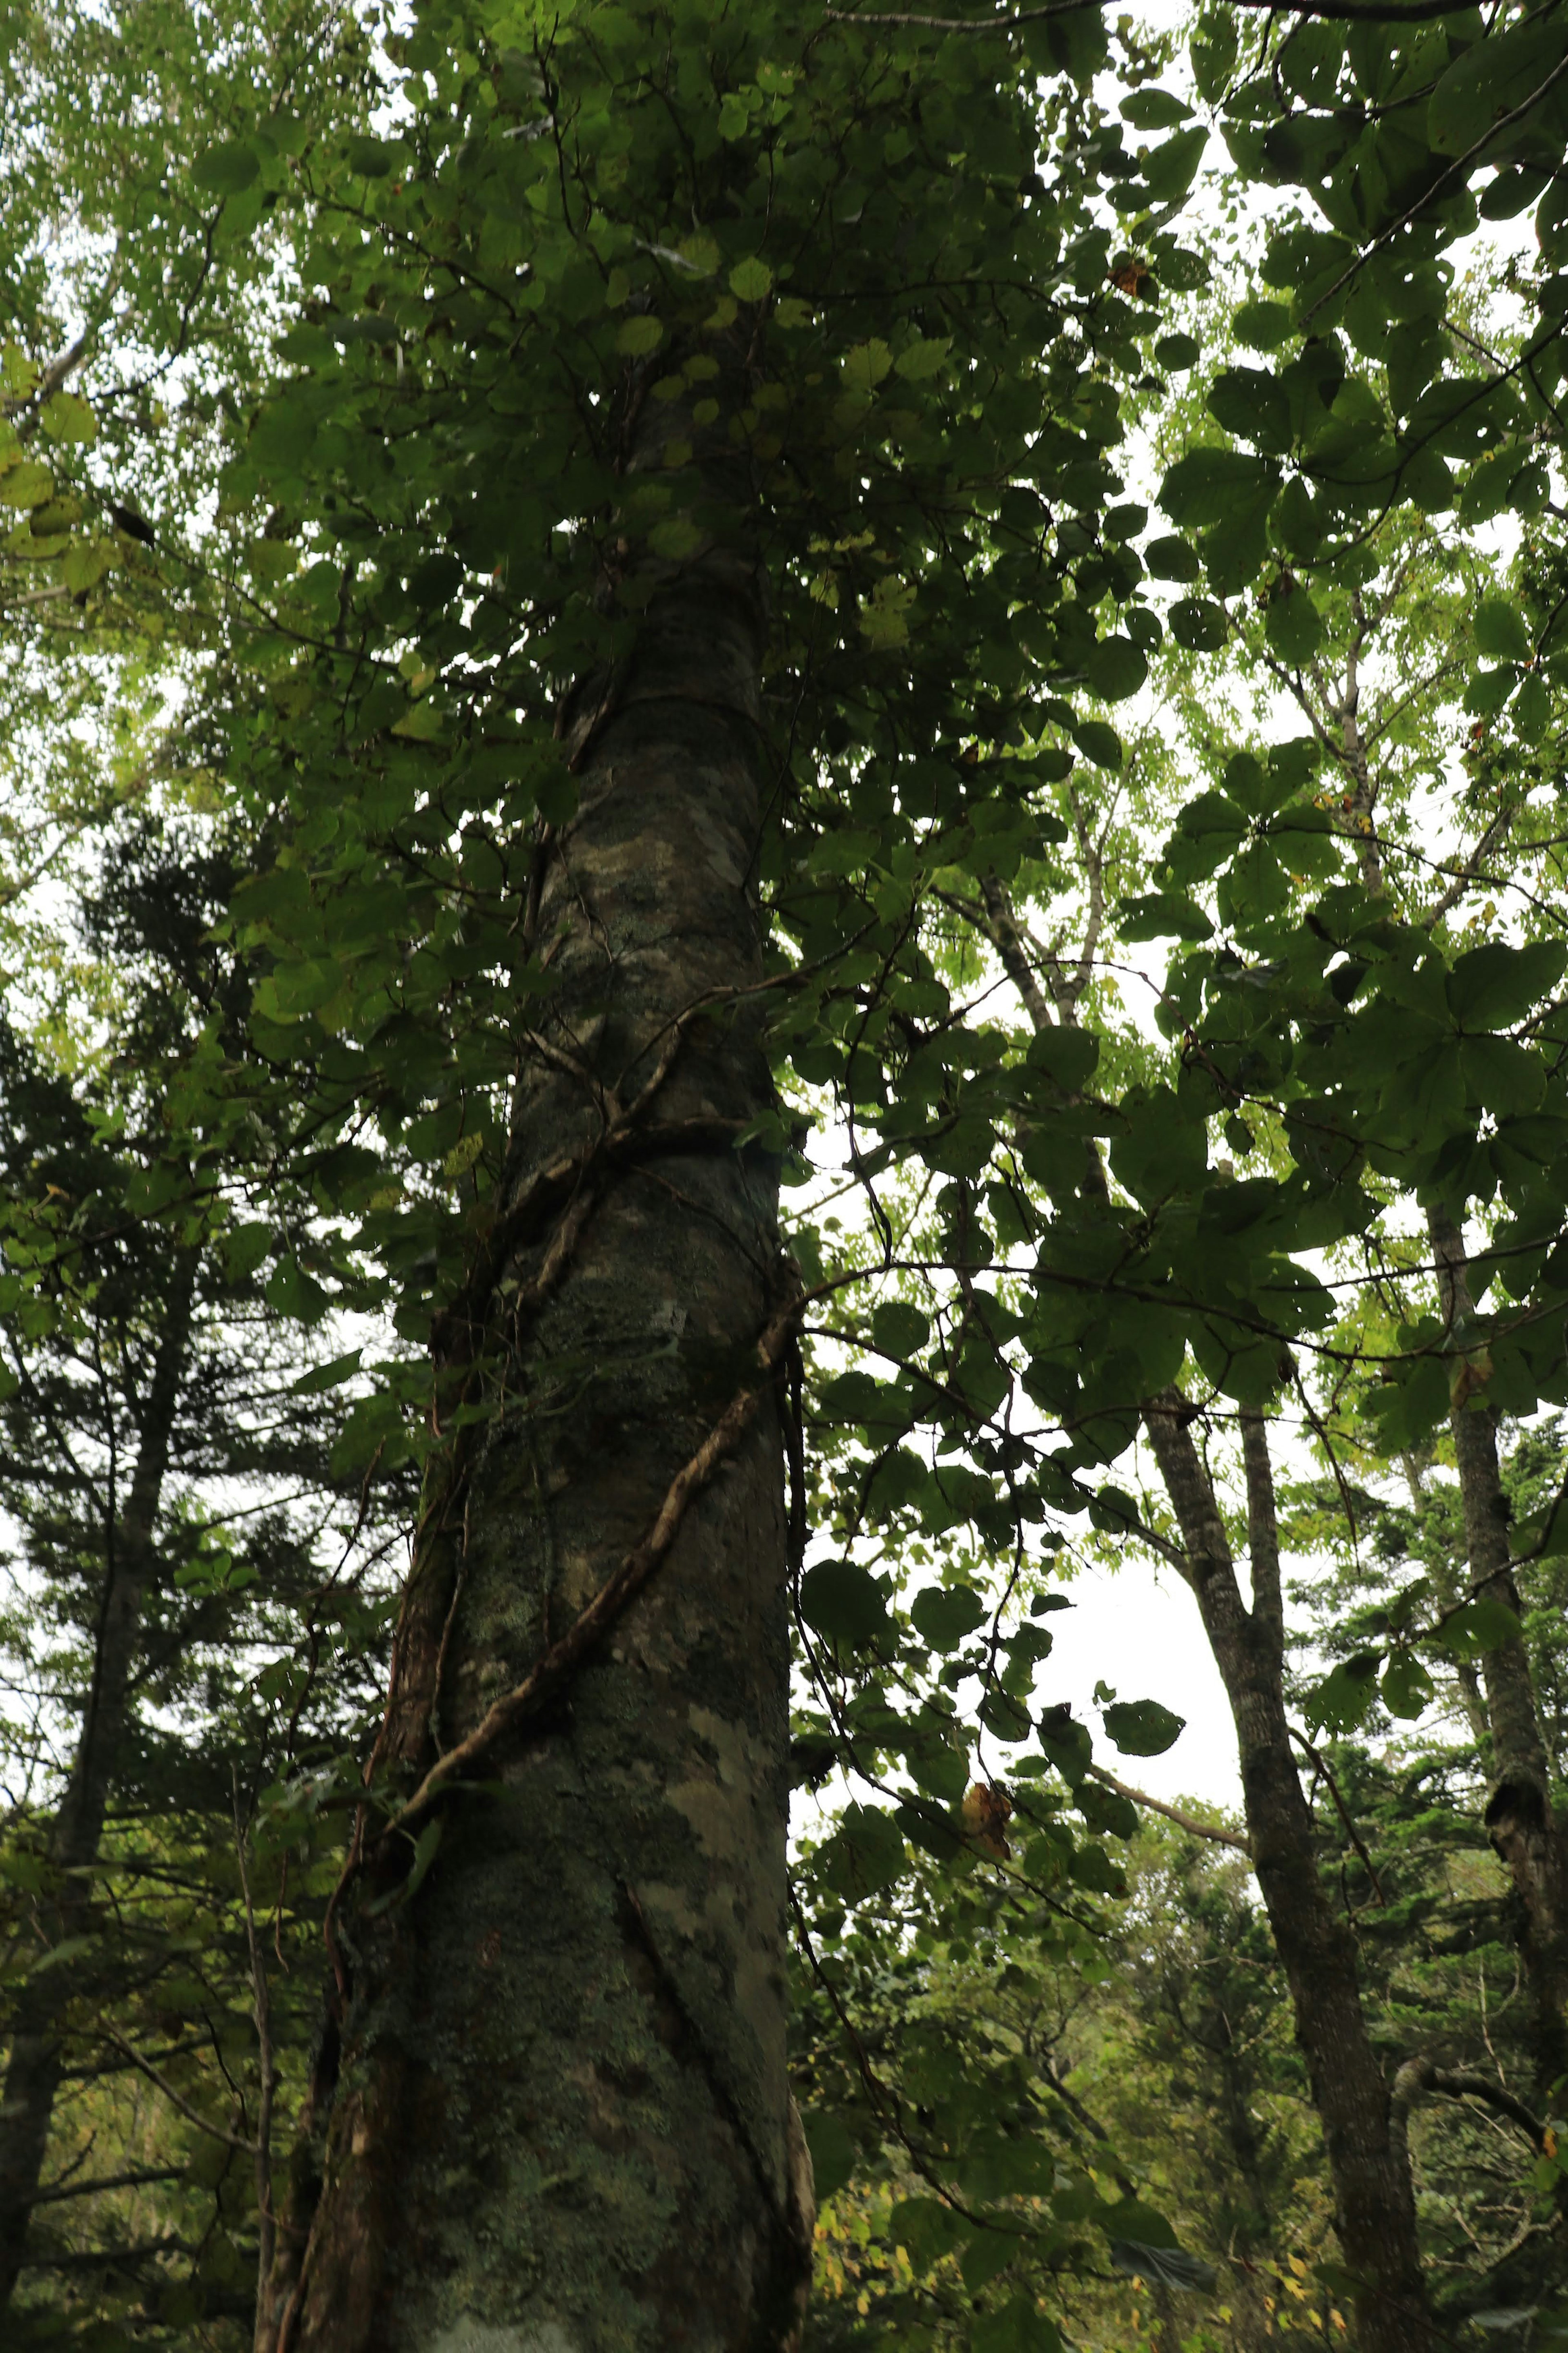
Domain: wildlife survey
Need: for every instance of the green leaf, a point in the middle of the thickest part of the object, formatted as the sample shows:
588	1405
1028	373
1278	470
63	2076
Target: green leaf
1251	403
425	1847
1344	1698
1488	79
1097	741
897	1329
1019	2327
27	485
1116	668
833	2152
1198	623
323	1377
865	1854
1154	110
863	369
843	1601
372	159
751	280
1142	1727
944	1615
1505	1078
923	359
1215	486
1479	1626
1163	915
1177	352
1496	985
1169	172
67	417
1294	627
1173	559
1263	325
676	538
227	169
1213	55
1066	1056
1501	630
1407	1689
639	336
927	2229
1137	2224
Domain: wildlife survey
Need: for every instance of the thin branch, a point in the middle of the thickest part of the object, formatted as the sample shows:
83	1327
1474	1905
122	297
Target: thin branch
133	2180
176	2099
1236	1838
1322	1765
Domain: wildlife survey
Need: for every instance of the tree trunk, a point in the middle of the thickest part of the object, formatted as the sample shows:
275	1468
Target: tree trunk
1374	2203
1375	2212
37	2057
1520	1815
1446	1585
560	2119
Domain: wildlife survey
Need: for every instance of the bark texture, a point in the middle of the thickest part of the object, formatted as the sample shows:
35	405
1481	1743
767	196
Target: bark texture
1520	1816
552	2115
1374	2210
131	1559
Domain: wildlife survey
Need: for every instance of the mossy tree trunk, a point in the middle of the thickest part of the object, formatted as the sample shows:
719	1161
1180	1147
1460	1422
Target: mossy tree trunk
553	2113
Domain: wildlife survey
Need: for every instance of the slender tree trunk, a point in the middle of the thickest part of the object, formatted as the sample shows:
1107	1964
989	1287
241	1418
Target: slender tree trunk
1446	1585
1374	2204
37	2057
1520	1814
554	2114
1375	2212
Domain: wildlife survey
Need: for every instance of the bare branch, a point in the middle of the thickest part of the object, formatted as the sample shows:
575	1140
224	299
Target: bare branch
1236	1838
176	2099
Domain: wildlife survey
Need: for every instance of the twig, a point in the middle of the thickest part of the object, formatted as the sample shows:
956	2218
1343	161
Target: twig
1236	1838
1321	1765
176	2099
132	2180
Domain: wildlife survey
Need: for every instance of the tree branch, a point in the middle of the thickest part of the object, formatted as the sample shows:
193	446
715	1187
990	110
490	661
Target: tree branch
1236	1838
176	2099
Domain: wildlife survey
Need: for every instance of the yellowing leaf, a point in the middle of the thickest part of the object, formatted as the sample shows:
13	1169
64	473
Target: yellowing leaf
883	619
462	1156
